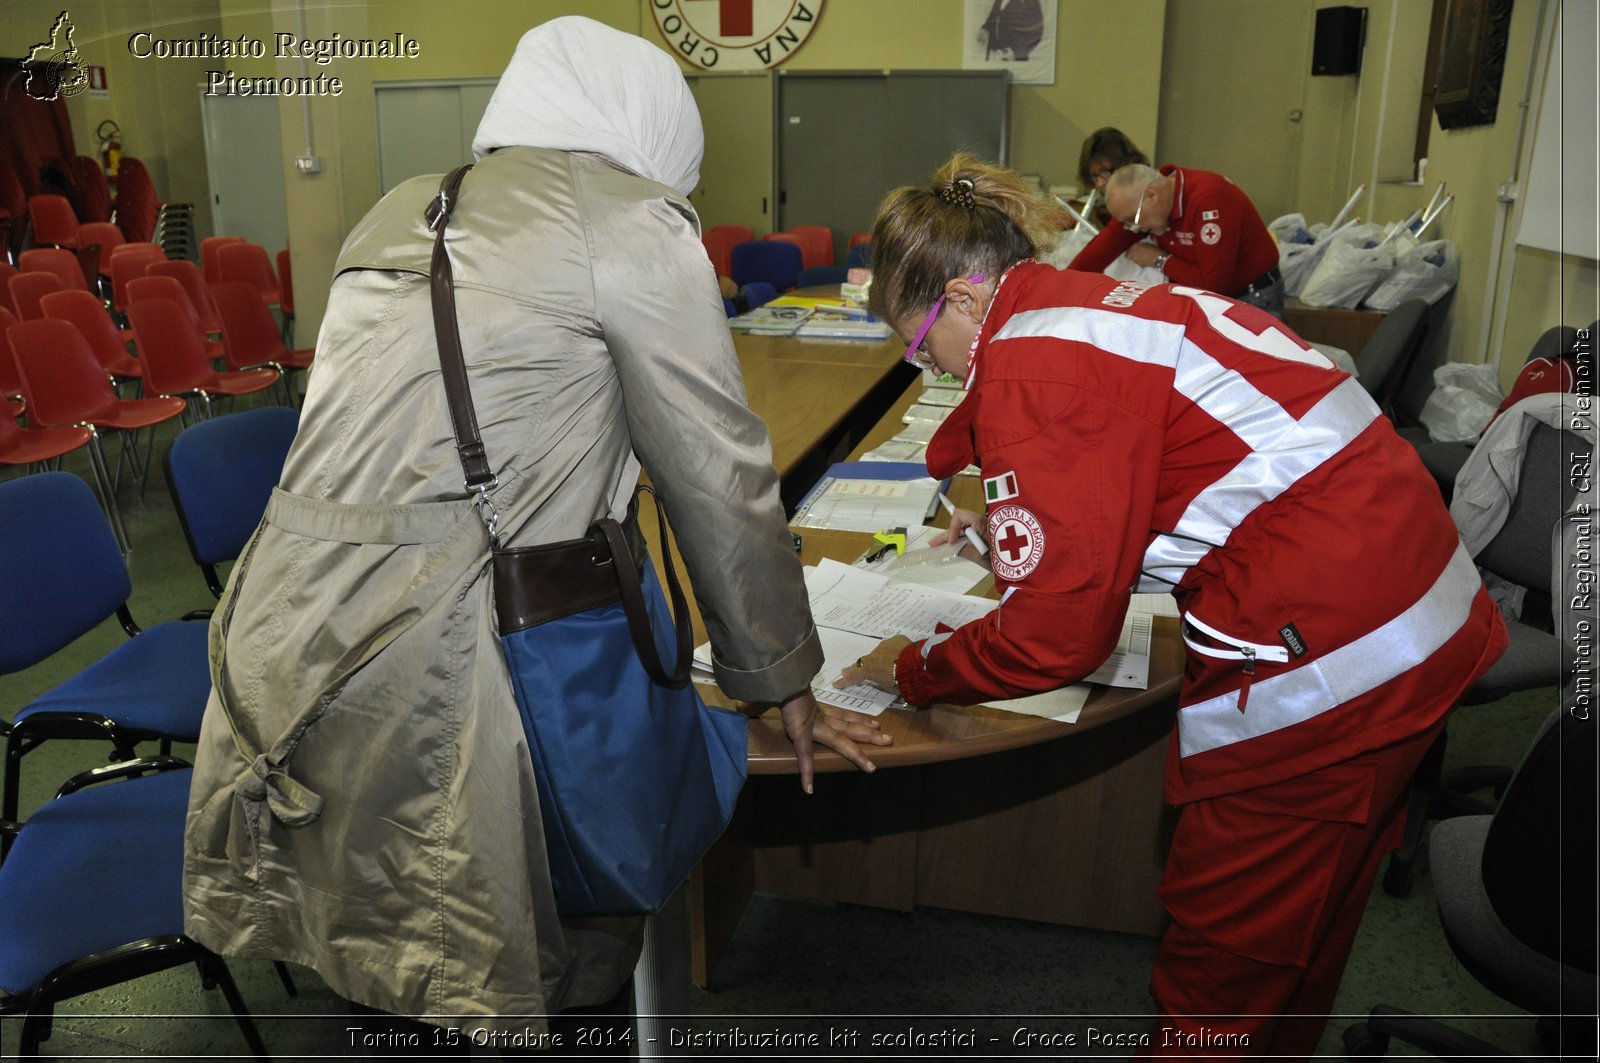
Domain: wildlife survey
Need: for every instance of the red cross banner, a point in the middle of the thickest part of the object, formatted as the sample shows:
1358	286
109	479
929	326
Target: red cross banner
736	34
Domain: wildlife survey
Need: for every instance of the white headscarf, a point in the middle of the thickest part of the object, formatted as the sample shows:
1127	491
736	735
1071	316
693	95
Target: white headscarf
578	85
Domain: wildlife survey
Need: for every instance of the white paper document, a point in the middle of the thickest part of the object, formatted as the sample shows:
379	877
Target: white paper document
850	599
1129	663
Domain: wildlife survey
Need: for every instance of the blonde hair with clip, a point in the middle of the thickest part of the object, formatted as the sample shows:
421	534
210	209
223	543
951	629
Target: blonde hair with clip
975	217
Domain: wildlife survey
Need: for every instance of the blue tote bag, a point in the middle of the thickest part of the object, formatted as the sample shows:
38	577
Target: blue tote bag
637	776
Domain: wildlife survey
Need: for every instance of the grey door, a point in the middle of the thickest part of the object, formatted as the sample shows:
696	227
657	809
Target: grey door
844	140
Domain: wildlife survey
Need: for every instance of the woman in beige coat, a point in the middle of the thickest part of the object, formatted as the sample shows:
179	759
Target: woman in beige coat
363	800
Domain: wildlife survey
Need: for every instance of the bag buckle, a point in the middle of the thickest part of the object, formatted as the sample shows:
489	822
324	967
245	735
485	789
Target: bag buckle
438	211
485	507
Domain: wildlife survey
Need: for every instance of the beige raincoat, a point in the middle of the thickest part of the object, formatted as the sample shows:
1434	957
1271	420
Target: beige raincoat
363	801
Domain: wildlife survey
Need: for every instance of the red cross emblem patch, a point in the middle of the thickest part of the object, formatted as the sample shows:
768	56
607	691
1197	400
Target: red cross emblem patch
1016	542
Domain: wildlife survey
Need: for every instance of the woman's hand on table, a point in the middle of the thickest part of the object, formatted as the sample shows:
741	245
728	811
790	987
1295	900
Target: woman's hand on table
809	724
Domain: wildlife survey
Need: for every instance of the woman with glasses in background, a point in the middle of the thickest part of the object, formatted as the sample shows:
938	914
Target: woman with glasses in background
1168	438
1104	152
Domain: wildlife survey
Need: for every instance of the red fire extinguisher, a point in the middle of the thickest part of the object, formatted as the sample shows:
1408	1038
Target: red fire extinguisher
110	137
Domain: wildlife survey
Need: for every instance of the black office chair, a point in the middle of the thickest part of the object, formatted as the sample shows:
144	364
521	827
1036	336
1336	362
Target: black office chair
1536	657
1517	901
1444	460
1386	358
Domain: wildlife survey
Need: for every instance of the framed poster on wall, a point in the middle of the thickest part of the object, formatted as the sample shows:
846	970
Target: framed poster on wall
1018	36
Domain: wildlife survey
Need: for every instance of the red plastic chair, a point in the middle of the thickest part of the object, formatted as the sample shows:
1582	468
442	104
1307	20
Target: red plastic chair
175	358
94	194
36	446
65	386
285	281
128	262
89	317
7	271
28	446
208	256
28	287
194	285
859	238
719	249
243	261
817	240
105	238
54	223
142	289
737	234
137	203
61	262
10	375
250	336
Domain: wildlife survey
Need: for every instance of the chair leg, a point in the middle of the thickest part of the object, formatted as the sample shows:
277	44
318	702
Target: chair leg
218	973
108	489
289	988
1425	785
1371	1038
37	1025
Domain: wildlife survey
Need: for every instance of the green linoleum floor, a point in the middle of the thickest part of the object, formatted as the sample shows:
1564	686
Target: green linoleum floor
790	958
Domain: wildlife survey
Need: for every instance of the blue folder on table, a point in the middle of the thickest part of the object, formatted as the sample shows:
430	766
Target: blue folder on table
815	511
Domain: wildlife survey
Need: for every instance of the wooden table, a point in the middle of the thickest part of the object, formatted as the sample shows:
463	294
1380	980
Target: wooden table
974	808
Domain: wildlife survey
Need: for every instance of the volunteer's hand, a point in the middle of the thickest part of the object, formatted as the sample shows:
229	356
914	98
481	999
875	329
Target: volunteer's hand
1143	254
877	667
960	521
839	729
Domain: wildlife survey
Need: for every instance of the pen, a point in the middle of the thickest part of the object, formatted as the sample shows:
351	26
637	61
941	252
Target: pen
972	537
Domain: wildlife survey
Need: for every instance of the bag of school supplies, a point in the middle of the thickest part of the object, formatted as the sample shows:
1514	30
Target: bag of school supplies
1419	272
1356	261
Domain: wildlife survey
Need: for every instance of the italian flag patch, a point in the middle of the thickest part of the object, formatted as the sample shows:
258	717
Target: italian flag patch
999	488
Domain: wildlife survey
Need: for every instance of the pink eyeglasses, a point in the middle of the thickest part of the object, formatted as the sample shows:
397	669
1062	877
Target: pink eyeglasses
917	351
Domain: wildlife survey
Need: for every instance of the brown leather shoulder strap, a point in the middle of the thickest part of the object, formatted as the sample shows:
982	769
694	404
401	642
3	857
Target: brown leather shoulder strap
463	418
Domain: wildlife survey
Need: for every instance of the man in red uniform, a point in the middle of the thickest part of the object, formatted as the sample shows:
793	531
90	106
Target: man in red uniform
1208	234
1169	438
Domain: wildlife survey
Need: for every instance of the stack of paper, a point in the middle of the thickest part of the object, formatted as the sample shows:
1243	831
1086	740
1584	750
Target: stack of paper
869	496
770	320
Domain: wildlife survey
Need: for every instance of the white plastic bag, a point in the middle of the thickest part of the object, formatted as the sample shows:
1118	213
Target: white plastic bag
1419	272
1354	264
1291	229
1297	260
1072	241
1463	402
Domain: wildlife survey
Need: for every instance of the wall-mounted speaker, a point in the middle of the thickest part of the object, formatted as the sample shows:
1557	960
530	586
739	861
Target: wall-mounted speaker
1341	32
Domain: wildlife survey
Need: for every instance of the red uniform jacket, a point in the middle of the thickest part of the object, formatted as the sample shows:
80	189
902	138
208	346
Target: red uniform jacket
1217	240
1168	438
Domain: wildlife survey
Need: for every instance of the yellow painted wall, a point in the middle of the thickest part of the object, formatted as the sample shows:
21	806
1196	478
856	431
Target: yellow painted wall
1360	130
1169	74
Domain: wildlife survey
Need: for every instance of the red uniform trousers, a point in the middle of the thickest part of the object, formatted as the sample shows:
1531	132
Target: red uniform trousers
1266	889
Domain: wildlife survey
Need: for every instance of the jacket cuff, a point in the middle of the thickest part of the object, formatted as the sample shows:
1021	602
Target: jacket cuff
783	678
916	685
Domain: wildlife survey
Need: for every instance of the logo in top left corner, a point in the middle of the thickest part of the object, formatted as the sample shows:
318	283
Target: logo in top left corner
54	68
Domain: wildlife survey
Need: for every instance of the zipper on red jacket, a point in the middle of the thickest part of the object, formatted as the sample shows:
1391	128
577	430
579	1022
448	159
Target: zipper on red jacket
1249	674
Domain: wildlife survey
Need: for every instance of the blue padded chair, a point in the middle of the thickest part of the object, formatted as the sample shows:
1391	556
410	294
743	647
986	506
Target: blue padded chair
757	293
63	576
859	256
221	473
773	261
91	895
817	275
